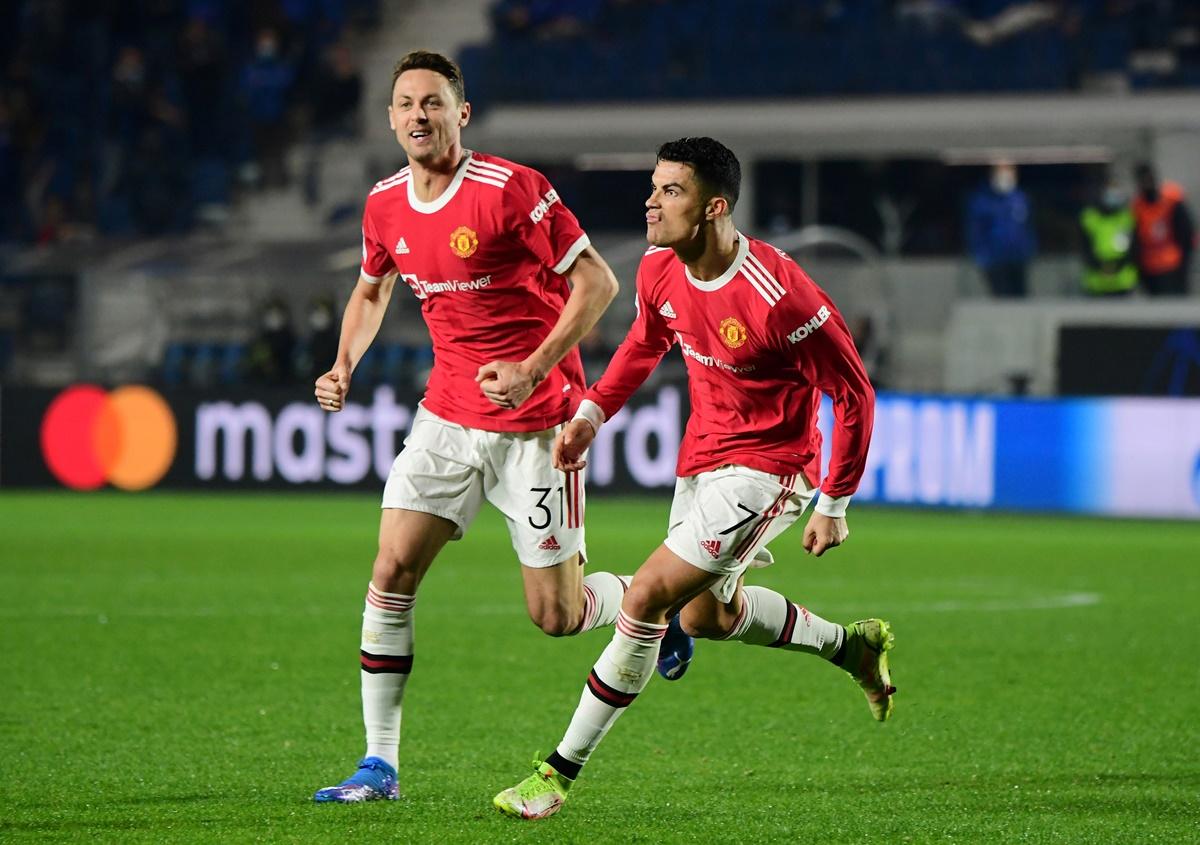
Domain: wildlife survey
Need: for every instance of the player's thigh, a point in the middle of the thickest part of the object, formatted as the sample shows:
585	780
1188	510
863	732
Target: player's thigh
438	472
408	543
664	584
542	506
733	512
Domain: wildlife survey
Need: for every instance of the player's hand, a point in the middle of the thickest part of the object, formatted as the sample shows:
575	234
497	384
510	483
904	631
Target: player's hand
824	532
571	444
333	387
506	383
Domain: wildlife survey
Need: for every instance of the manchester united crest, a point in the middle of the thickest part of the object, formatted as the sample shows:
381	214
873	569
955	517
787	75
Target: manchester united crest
464	242
732	332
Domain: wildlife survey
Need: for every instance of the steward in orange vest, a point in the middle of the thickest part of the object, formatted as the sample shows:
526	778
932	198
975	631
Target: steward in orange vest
1165	235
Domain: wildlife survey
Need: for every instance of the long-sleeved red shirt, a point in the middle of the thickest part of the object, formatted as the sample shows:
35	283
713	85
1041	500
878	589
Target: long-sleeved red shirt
760	343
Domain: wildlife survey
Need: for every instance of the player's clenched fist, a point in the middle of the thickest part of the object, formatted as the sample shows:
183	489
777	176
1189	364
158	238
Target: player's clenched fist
571	444
332	388
824	532
505	383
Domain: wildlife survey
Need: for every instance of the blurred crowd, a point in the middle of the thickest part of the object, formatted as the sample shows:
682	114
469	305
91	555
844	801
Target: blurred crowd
587	49
128	117
1127	242
1152	24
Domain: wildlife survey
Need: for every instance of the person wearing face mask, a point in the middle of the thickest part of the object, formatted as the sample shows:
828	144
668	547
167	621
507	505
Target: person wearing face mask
271	352
1000	232
1109	255
1165	234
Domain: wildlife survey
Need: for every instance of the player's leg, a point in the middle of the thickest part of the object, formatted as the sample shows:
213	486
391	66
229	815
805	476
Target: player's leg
761	616
432	495
544	509
662	585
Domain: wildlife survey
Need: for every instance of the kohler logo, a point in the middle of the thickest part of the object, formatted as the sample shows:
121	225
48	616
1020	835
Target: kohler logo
811	326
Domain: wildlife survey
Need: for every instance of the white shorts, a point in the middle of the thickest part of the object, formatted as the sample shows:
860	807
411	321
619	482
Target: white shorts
447	470
721	518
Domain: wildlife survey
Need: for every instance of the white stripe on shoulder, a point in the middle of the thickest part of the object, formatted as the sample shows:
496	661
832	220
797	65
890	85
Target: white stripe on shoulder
474	162
473	167
771	282
399	174
487	174
753	278
387	186
474	177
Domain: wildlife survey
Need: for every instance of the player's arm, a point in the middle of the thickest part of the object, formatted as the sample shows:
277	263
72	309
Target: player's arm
360	323
648	340
828	360
361	319
593	286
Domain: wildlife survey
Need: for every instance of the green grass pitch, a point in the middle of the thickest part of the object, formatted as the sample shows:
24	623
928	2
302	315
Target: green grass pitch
184	669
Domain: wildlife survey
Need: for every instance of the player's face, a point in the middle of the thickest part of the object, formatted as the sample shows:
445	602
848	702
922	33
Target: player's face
675	209
426	116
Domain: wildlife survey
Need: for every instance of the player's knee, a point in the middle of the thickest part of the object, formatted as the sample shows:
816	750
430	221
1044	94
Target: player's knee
556	622
394	571
705	625
646	599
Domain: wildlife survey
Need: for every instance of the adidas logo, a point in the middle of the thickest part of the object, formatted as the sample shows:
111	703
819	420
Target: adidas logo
401	247
550	544
713	547
667	311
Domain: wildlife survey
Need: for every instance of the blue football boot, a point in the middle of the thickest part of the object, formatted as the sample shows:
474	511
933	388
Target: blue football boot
675	651
375	780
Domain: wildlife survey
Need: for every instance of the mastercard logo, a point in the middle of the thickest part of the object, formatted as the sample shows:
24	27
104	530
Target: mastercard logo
126	437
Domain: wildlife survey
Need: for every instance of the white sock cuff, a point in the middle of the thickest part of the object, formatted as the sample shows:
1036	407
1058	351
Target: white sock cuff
633	629
394	602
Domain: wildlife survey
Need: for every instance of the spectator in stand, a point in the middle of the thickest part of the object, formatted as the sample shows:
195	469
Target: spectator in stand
321	345
1000	232
545	18
336	93
1165	234
1108	244
266	87
272	350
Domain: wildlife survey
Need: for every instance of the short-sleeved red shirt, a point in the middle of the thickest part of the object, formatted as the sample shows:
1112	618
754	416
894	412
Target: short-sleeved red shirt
486	259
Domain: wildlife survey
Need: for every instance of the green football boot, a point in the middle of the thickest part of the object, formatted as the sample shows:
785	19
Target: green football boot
540	795
867	643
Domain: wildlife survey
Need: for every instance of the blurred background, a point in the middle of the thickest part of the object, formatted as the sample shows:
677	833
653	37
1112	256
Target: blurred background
1000	195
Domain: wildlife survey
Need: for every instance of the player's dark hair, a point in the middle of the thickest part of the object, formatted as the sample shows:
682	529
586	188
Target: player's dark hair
436	62
715	165
1145	170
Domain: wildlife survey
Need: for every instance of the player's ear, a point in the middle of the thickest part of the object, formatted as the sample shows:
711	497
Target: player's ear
717	208
464	115
391	118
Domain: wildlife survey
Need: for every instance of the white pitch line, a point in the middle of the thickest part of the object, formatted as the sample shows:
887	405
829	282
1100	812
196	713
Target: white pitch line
996	605
1057	602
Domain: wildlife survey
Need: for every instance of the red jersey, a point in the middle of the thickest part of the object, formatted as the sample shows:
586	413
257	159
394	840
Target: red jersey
486	260
759	343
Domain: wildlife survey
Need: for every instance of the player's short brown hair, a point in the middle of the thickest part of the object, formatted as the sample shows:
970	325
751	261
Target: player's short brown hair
436	62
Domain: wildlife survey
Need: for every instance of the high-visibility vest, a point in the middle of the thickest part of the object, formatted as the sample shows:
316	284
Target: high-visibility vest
1110	239
1158	251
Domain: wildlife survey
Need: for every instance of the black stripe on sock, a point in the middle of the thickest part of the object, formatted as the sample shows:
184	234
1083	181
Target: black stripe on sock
610	696
376	664
789	625
563	766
